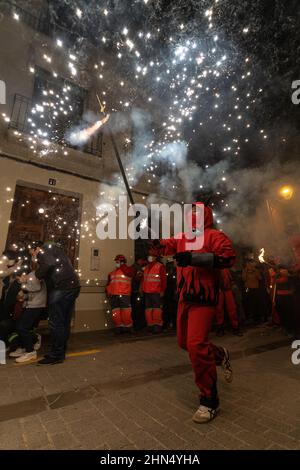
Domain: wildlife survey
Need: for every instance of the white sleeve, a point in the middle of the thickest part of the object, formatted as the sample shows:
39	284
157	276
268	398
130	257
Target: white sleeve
33	284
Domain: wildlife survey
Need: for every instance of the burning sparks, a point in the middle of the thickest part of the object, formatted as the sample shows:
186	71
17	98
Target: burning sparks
261	256
84	135
286	192
203	86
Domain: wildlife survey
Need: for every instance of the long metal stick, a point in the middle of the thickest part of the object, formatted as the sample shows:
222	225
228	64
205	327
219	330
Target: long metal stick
121	168
102	110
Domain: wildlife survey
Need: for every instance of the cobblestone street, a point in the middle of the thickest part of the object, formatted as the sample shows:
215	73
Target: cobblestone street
139	394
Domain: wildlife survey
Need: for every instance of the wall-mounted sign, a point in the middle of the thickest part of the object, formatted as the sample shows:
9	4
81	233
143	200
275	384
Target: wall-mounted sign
95	259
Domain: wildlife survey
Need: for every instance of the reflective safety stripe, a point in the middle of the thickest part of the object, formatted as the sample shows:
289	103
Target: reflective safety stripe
119	283
152	281
120	278
152	277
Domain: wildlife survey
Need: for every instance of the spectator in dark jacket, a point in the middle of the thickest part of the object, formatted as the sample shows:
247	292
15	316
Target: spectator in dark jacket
10	286
13	307
9	265
63	288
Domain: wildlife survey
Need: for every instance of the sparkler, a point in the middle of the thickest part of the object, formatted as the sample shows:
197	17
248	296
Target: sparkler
261	256
84	135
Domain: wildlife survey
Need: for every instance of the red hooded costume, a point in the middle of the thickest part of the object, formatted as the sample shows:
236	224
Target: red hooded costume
198	288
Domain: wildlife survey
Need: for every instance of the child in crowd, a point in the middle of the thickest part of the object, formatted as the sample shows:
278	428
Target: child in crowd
35	300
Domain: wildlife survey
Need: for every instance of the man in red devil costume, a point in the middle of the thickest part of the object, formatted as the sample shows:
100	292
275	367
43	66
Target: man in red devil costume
119	289
198	278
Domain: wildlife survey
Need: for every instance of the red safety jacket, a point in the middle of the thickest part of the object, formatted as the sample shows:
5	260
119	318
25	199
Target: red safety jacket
119	281
201	284
154	278
284	285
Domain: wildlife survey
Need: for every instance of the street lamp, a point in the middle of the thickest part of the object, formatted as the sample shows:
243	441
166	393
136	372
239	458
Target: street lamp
286	192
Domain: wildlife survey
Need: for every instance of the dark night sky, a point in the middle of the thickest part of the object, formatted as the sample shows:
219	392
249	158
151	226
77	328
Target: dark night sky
273	46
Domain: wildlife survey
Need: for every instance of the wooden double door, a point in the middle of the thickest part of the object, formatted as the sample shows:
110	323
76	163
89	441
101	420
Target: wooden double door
41	214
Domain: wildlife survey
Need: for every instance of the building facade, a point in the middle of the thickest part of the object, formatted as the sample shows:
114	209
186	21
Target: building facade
50	188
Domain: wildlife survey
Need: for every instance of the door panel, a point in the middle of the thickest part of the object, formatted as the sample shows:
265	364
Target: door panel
39	214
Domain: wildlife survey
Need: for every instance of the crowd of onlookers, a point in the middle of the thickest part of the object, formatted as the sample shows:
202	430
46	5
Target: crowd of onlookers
270	293
39	282
253	294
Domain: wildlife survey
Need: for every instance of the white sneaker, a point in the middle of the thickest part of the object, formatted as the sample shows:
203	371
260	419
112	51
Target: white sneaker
226	366
17	353
27	357
38	344
205	414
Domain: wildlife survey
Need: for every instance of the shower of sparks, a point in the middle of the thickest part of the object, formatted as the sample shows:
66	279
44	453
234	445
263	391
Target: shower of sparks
198	84
261	256
84	135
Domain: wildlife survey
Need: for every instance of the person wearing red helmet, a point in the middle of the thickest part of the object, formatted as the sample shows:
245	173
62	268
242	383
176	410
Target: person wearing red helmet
153	286
198	279
118	289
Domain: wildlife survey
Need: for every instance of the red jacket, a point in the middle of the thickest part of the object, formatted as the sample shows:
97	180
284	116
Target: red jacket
284	284
119	281
197	283
154	278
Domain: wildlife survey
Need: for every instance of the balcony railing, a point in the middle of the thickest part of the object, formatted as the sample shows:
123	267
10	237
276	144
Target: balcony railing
41	22
21	111
9	7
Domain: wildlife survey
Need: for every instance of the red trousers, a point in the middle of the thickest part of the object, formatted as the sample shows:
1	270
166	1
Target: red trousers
226	300
153	311
193	327
121	310
154	316
122	317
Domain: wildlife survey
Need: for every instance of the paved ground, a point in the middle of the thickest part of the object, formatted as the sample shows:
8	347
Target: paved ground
139	394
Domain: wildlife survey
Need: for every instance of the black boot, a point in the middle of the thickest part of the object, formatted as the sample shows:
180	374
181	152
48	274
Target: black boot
128	330
237	332
220	331
48	360
157	329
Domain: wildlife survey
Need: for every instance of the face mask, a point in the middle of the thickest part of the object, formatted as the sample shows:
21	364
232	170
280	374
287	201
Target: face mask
150	259
118	264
